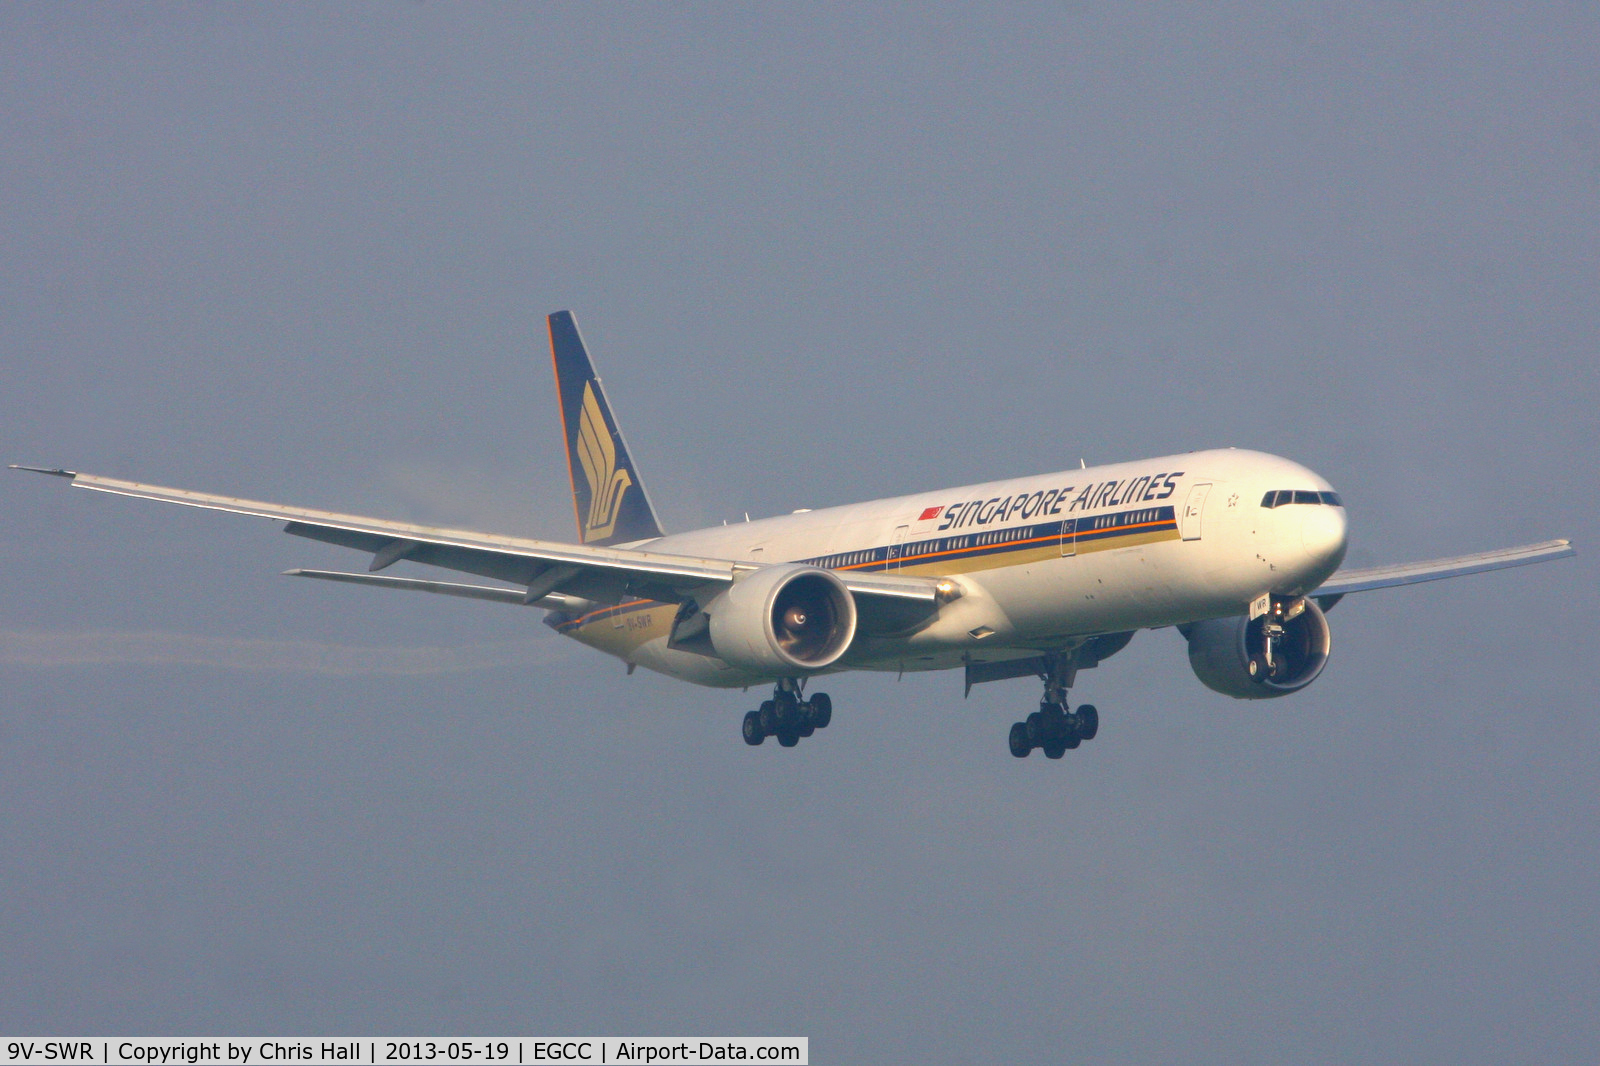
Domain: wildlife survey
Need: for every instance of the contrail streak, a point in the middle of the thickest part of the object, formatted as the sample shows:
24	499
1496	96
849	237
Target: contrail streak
113	648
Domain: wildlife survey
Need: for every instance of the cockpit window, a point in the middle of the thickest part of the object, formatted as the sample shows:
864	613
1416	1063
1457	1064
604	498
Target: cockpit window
1281	497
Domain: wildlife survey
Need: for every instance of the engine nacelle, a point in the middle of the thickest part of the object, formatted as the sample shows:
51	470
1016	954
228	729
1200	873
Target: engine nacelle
783	620
1230	655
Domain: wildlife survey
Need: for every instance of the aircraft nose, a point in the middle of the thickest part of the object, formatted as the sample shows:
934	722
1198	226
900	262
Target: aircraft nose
1322	534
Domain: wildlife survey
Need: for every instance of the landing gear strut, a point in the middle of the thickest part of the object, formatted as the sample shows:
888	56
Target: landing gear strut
1269	660
1053	727
788	715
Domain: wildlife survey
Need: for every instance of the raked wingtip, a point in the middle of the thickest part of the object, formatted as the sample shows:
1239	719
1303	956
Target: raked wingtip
51	470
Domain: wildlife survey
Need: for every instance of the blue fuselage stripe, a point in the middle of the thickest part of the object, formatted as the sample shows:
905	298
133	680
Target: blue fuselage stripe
1096	529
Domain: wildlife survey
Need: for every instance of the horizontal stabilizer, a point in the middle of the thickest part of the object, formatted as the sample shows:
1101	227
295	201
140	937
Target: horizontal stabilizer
554	601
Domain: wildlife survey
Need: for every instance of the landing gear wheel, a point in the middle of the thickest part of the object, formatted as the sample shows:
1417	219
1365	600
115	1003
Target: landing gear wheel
786	712
787	716
1055	727
1088	721
1018	741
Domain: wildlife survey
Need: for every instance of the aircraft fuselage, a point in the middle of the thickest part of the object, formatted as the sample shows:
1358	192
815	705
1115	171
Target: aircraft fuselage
1039	561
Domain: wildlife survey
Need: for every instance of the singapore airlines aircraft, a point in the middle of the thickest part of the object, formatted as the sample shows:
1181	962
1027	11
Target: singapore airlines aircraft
1039	576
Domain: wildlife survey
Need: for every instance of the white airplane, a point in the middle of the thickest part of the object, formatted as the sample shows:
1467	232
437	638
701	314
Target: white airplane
1041	576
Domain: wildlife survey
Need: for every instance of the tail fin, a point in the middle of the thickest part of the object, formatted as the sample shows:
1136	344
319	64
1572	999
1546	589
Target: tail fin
607	494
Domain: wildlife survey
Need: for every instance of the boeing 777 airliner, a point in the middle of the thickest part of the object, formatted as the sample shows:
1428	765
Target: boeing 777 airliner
1040	576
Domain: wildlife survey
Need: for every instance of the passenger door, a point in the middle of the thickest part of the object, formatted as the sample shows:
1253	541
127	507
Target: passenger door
1189	522
897	546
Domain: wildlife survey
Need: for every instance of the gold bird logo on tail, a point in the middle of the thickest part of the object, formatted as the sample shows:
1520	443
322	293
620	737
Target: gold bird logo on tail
598	456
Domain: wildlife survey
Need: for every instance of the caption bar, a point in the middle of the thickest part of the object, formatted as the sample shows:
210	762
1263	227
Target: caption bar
371	1051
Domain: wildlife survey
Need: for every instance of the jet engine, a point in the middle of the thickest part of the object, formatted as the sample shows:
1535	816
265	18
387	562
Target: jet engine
1281	652
783	621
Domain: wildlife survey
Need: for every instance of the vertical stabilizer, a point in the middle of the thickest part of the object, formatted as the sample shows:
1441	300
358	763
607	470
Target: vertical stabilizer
606	490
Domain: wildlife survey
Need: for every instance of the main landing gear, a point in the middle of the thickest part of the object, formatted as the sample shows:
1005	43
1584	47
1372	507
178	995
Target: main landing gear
787	715
1053	727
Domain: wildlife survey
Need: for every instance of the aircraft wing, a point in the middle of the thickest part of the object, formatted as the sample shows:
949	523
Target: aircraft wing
544	568
1364	579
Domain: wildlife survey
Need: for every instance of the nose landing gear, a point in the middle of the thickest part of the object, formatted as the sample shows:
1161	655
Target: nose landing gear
787	715
1271	641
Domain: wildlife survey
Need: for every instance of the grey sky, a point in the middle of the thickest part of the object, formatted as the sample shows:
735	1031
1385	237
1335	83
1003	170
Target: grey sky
820	254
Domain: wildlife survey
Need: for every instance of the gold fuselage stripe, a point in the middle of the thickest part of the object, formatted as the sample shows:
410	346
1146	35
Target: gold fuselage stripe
978	557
